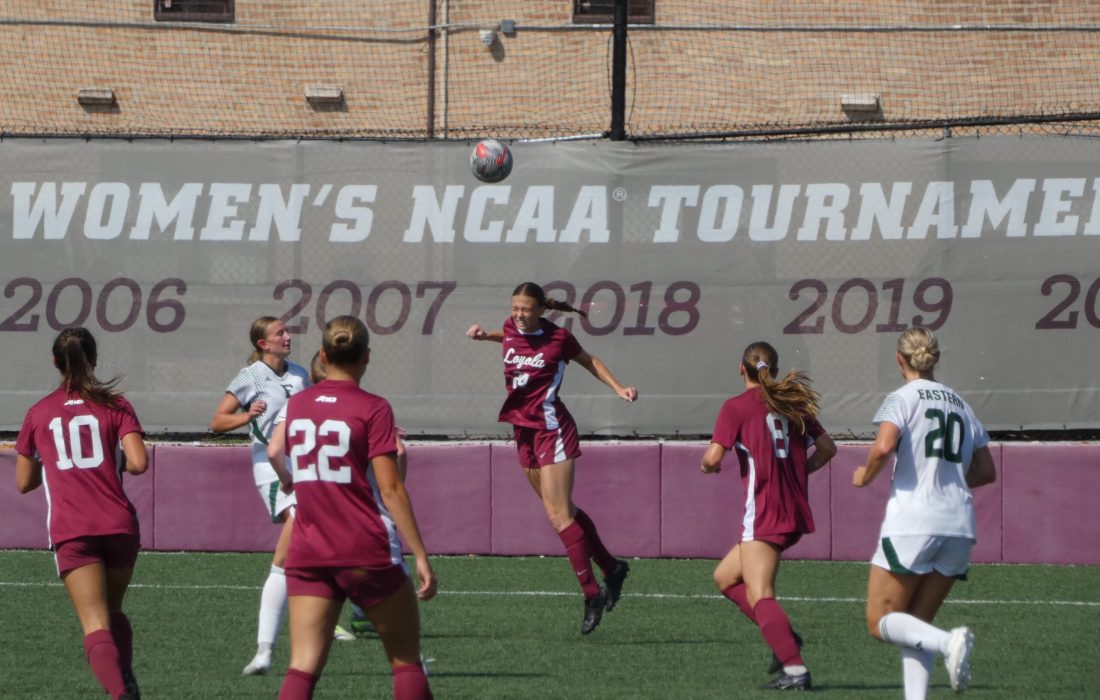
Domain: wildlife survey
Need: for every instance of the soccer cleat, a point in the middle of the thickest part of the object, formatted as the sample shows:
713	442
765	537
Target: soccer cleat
132	690
593	611
777	665
361	627
259	665
957	658
786	681
614	583
342	635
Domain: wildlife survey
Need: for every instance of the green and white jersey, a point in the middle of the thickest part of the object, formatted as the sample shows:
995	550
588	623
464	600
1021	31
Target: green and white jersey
939	433
258	381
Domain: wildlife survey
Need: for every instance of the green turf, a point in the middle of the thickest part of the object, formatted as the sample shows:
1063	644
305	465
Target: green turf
508	628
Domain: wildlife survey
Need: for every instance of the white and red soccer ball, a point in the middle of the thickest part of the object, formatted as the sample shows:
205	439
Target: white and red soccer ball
490	161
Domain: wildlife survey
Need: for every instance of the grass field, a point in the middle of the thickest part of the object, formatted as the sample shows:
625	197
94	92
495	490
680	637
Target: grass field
508	628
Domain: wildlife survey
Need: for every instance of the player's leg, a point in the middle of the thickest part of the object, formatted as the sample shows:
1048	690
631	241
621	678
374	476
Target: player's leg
312	619
729	580
87	589
952	560
759	566
397	619
120	556
273	597
556	486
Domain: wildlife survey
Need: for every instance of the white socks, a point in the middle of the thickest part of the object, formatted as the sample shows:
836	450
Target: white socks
916	672
904	630
272	608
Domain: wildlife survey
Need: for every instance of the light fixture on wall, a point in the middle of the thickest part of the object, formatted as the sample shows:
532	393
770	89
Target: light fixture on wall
861	102
324	95
95	96
488	37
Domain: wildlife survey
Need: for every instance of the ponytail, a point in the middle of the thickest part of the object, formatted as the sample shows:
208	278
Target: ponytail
791	396
534	291
256	333
74	353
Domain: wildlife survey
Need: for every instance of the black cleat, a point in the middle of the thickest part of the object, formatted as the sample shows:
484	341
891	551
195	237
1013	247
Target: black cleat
788	682
614	583
132	690
593	611
777	665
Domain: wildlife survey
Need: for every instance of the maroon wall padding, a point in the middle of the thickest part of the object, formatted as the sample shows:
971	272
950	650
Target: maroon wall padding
23	516
1051	504
700	513
207	500
450	492
617	485
647	499
857	512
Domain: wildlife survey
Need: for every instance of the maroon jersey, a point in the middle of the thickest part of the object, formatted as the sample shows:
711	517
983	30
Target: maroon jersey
772	453
333	431
534	366
77	442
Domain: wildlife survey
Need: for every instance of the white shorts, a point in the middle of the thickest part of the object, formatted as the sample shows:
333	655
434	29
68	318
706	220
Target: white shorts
921	554
275	500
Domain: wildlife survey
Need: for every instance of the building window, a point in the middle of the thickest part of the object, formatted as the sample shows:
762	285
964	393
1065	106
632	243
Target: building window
193	10
601	11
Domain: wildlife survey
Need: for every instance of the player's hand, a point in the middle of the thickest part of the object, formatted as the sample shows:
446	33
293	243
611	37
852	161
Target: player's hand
628	394
428	583
710	470
256	408
859	476
476	332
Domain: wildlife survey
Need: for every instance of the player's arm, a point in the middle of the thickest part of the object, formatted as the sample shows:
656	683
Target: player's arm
600	371
28	473
396	498
135	453
712	458
276	454
476	332
982	469
886	441
228	415
824	450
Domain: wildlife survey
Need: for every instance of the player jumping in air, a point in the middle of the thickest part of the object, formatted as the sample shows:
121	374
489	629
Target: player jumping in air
536	352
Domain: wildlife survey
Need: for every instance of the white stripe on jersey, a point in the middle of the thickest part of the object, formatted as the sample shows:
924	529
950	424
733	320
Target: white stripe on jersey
750	496
548	410
387	520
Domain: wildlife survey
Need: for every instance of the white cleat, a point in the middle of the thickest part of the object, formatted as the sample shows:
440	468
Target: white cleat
342	635
259	665
957	659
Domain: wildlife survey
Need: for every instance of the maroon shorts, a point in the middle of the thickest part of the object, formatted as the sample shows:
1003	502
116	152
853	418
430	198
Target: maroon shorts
784	541
365	587
114	551
540	448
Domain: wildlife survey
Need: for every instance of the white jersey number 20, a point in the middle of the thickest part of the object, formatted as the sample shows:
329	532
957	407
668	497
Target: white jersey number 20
304	470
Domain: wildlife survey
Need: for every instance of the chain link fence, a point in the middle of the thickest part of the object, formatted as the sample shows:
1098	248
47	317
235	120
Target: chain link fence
460	69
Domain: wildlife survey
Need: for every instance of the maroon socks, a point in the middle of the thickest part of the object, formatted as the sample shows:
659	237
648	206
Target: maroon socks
123	635
739	595
410	683
102	655
776	628
576	548
297	685
600	555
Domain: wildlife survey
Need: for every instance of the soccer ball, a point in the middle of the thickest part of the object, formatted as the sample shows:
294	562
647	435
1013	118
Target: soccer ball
491	161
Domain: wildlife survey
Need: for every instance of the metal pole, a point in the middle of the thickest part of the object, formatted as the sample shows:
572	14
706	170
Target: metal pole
430	131
618	72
